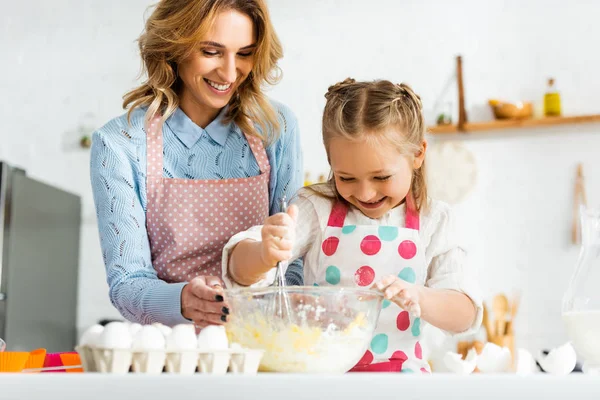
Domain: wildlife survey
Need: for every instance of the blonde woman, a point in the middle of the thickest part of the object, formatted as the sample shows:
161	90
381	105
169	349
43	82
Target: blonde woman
200	155
373	225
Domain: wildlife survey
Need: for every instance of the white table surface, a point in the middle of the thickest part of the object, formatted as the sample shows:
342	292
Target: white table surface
92	386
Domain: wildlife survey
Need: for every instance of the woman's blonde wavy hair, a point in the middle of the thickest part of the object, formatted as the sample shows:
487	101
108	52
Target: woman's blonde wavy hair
366	111
172	34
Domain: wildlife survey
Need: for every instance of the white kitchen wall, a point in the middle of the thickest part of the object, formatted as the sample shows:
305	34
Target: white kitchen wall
65	65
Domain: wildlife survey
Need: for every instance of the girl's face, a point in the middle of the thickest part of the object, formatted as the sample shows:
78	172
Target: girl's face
212	74
374	177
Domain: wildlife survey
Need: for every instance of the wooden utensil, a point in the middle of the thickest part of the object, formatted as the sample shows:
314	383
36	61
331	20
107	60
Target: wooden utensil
462	112
487	324
579	198
514	307
500	308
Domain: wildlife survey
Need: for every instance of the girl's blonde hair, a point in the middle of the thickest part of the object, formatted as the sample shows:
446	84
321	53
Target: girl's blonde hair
378	111
172	34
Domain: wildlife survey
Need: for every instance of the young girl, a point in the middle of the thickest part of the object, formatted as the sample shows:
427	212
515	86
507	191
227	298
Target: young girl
372	225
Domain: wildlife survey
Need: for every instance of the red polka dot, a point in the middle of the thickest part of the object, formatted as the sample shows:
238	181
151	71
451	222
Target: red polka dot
399	355
330	245
370	245
418	351
364	276
424	370
403	321
366	359
407	249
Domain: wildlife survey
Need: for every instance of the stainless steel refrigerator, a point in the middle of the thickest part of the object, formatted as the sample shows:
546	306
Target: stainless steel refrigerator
39	259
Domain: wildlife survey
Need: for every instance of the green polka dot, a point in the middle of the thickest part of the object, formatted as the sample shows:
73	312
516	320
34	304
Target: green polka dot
407	371
408	275
379	344
348	229
332	275
416	327
315	284
386	304
388	233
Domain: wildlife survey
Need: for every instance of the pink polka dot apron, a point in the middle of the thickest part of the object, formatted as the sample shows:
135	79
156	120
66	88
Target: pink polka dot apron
189	221
361	255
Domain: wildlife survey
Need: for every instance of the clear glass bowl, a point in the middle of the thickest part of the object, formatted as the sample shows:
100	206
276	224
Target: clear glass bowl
327	329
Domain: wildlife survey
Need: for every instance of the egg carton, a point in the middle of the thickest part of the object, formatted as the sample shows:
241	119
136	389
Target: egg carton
184	362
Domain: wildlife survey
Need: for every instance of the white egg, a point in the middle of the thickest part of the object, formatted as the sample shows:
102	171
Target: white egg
183	337
525	363
236	347
165	330
115	336
457	365
134	328
148	338
559	361
494	359
213	337
91	335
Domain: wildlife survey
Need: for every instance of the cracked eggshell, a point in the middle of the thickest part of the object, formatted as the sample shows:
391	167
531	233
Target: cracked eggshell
455	364
560	360
494	359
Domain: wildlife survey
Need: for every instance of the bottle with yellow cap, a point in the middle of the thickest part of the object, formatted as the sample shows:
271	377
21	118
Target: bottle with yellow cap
552	100
307	181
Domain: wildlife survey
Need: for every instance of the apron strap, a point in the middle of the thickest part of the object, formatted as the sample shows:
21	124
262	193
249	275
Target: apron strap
339	211
154	150
337	215
258	150
412	220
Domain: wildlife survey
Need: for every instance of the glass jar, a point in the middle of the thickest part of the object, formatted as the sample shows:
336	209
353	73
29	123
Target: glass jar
581	302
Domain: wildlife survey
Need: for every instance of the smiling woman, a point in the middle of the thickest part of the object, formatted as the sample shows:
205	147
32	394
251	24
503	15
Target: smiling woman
200	155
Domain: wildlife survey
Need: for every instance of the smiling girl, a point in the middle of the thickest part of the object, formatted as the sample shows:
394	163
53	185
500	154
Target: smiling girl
373	225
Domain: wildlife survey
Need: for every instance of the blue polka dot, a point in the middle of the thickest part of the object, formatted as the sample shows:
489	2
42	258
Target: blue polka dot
408	275
379	344
416	327
332	275
348	229
315	284
388	233
386	303
407	370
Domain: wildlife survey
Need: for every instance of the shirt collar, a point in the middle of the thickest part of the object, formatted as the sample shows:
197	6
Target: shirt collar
189	133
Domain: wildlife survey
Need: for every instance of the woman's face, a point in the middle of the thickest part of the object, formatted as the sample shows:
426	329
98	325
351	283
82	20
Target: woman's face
212	74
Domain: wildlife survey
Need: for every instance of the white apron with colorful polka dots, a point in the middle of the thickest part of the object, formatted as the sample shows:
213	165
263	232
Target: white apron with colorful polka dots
190	220
360	256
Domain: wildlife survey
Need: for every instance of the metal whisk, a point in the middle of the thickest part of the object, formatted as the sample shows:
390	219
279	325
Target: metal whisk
281	304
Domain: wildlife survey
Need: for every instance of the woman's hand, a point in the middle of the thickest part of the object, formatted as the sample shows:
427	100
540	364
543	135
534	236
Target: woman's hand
278	234
405	295
203	302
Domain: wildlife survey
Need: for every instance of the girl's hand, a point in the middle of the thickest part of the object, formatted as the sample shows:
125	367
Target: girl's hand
278	234
405	294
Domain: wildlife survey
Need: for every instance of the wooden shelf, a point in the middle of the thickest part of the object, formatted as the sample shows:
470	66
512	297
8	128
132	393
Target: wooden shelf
514	124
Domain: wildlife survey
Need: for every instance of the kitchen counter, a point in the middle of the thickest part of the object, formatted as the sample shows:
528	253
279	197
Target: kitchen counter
290	387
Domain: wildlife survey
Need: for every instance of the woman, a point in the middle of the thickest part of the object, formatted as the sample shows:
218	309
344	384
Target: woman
201	155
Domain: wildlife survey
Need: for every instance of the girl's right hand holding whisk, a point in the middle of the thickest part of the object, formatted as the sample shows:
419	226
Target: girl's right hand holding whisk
278	235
